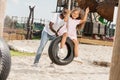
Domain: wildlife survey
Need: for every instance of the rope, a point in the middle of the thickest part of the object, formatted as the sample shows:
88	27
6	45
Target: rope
69	6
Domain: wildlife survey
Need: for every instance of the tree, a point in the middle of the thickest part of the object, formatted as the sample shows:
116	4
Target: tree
2	14
115	64
8	22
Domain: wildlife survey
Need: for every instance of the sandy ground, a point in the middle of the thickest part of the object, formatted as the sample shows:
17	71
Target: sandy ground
21	68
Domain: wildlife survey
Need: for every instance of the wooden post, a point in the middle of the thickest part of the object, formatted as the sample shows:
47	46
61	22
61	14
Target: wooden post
115	64
30	23
2	14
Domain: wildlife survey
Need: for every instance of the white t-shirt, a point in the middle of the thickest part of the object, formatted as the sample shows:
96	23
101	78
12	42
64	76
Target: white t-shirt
58	22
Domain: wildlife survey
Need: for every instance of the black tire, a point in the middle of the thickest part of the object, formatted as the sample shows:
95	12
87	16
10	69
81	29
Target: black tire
5	60
53	51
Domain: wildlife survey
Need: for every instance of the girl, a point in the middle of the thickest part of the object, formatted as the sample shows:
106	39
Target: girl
70	29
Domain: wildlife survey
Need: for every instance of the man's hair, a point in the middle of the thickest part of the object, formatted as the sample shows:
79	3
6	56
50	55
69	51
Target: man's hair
63	13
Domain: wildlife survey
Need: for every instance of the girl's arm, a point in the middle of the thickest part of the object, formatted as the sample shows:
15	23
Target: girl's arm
85	17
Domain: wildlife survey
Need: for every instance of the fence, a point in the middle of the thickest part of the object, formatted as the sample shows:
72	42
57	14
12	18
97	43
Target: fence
17	28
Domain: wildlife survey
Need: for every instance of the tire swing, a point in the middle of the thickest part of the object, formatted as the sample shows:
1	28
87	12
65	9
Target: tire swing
53	51
5	60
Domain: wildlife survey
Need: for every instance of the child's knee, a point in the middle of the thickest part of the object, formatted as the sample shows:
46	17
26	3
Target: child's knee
75	42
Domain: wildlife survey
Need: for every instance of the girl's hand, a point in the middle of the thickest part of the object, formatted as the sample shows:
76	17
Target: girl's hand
56	34
87	10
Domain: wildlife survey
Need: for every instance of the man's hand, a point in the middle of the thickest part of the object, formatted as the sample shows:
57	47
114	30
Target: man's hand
56	34
51	28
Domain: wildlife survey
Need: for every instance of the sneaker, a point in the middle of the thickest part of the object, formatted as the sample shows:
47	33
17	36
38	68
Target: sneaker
79	60
35	65
61	50
61	53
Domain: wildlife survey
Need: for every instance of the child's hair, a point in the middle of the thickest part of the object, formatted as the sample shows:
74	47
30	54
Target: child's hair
81	14
76	9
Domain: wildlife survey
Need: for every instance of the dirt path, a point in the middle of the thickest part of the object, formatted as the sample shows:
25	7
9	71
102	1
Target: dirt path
21	68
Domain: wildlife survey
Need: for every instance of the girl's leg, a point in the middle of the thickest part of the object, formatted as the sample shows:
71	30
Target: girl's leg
63	40
75	47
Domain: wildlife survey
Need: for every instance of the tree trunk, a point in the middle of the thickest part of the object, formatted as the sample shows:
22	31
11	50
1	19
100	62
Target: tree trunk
115	64
2	14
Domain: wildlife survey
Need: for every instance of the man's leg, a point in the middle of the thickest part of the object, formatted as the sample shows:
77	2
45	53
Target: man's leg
44	40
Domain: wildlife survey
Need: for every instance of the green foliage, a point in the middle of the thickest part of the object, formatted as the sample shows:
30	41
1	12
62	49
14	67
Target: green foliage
36	38
38	26
16	53
19	25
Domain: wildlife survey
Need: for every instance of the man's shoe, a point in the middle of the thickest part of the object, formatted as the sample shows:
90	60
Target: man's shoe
35	65
52	65
78	60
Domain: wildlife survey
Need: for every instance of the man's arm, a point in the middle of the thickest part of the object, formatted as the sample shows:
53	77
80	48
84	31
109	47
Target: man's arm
51	28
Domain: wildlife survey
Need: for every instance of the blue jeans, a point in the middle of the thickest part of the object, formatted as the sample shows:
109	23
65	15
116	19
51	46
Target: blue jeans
45	37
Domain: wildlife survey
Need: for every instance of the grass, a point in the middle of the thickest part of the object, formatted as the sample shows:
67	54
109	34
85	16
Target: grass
36	38
16	53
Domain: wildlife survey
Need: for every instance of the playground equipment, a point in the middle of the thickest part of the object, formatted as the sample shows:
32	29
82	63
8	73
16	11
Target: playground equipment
5	60
56	57
104	8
